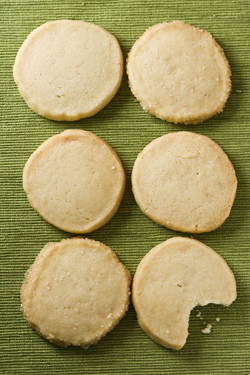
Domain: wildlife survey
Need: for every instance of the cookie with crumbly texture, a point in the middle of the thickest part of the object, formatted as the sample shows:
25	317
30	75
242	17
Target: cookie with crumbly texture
67	70
75	181
185	182
171	280
75	292
179	73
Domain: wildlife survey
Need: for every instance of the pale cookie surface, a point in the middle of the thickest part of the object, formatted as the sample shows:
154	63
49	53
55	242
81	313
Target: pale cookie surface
171	280
75	181
179	73
75	292
185	182
68	70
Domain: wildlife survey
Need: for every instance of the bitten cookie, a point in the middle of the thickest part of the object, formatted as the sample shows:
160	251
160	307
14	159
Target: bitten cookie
185	182
179	73
75	181
75	292
171	280
68	70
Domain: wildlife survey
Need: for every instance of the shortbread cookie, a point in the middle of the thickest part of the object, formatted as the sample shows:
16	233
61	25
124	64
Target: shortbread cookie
68	70
171	280
184	181
179	73
75	292
75	181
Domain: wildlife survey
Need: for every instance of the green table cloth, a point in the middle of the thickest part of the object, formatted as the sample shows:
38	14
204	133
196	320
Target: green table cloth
128	129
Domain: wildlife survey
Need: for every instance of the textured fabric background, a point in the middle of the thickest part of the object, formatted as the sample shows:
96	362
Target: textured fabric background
128	129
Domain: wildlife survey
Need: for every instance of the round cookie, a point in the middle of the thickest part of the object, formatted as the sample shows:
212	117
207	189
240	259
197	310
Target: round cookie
68	70
171	280
184	181
75	181
75	292
179	73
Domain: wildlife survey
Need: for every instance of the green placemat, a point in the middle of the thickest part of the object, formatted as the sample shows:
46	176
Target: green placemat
128	129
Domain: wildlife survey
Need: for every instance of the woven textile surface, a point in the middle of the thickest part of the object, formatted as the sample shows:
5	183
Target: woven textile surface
128	129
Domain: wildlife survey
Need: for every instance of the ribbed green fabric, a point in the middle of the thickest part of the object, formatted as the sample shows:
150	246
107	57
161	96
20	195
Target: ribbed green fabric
128	129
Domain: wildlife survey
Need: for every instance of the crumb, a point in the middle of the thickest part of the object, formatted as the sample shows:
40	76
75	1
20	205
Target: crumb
238	91
207	329
199	315
217	319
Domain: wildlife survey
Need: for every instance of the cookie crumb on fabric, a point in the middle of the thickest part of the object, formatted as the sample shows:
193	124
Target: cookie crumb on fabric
199	315
207	329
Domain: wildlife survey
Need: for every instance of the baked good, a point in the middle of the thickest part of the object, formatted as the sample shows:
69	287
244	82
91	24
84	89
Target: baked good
184	181
171	280
75	181
68	70
179	73
75	292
